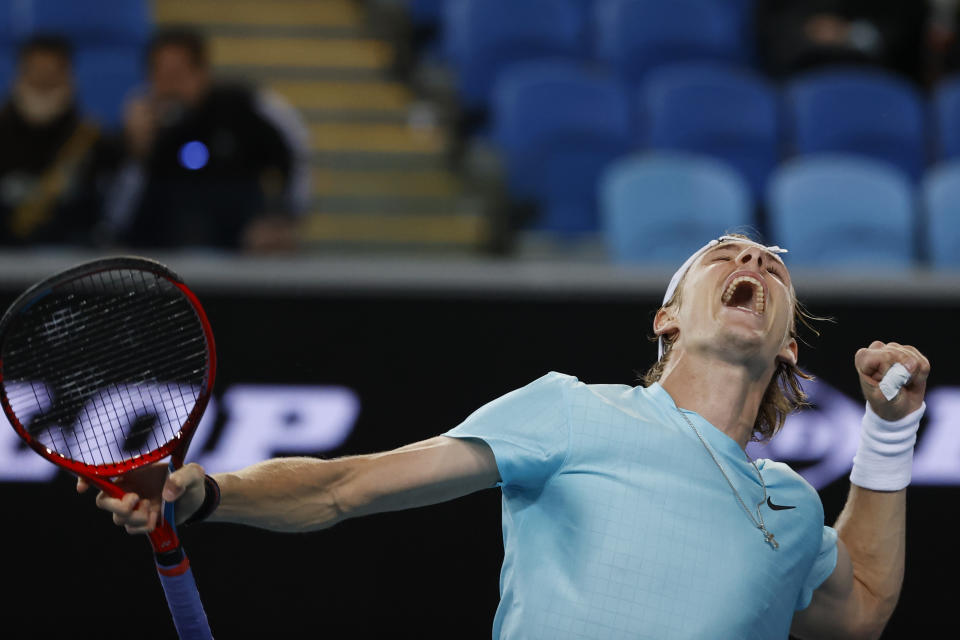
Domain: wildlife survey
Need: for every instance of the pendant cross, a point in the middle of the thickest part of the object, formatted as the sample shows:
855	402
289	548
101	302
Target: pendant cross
769	538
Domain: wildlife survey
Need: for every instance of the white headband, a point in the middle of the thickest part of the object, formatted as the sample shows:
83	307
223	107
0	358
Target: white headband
682	271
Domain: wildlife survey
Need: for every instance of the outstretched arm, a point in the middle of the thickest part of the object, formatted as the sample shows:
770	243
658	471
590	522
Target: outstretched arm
306	494
859	597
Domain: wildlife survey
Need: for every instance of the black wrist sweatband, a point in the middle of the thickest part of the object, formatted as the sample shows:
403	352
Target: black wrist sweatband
211	500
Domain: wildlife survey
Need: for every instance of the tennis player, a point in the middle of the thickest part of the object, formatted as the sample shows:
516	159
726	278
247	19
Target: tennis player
634	512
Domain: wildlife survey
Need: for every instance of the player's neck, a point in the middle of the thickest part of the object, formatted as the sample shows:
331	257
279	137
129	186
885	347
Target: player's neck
725	394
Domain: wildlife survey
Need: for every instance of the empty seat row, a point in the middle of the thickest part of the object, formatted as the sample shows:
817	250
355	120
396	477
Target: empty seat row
828	210
558	122
481	37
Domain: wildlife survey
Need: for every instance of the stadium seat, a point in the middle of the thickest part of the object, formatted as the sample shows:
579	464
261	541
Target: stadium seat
946	116
94	22
481	37
558	124
425	12
635	36
835	210
858	111
941	203
8	23
657	208
104	78
718	110
7	66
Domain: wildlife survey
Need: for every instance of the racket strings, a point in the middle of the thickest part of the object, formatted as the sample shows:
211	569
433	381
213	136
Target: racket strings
188	368
91	326
106	360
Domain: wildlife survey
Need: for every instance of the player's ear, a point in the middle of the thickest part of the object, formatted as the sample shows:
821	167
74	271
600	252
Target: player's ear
789	352
665	322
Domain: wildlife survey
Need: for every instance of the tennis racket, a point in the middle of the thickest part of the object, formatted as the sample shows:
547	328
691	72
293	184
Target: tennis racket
107	367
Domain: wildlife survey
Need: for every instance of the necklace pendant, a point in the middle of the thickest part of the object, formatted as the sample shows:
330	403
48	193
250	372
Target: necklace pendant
769	538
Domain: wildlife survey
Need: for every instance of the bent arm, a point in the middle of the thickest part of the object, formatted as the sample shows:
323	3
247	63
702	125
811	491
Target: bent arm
859	597
307	494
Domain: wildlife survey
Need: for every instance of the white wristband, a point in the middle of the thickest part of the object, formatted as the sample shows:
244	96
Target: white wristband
884	459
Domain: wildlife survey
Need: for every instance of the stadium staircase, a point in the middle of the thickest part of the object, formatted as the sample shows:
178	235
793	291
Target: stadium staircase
380	159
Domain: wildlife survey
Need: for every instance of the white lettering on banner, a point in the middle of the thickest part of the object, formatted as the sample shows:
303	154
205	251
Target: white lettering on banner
266	420
262	420
936	459
19	462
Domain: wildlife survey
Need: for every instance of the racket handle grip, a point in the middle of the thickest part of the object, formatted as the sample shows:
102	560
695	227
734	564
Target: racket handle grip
183	598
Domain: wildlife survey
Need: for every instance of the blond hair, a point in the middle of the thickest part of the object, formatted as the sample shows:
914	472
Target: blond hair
784	393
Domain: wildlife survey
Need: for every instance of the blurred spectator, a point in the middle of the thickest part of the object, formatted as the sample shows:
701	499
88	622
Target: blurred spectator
796	35
943	41
54	164
209	164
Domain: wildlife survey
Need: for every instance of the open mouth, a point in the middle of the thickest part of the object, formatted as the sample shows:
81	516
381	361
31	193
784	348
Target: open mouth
744	292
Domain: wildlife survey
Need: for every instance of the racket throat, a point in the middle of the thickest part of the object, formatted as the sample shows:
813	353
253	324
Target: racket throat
171	560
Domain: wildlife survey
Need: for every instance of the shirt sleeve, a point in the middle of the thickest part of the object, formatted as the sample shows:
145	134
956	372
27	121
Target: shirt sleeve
823	566
528	430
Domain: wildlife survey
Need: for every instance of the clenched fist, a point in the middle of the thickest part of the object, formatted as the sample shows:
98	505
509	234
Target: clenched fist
874	361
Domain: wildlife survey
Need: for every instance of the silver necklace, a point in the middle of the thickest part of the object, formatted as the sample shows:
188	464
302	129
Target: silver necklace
758	521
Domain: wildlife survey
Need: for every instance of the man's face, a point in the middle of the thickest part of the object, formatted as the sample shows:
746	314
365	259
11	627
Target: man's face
43	89
175	77
737	302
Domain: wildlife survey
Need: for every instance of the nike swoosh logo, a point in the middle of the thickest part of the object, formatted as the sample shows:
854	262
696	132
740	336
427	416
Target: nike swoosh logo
777	507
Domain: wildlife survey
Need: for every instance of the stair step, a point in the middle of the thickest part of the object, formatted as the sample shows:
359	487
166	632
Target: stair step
336	96
202	13
376	137
393	205
419	184
391	229
301	53
373	161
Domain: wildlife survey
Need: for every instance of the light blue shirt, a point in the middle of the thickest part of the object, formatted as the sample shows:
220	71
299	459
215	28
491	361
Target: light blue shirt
618	524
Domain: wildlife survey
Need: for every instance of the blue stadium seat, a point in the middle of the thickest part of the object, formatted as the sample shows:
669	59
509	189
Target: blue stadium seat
946	116
941	202
657	208
8	23
635	36
7	66
94	22
425	12
858	111
104	78
481	37
722	111
834	210
558	124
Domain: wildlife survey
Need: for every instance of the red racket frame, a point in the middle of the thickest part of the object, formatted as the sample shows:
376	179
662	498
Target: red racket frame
164	537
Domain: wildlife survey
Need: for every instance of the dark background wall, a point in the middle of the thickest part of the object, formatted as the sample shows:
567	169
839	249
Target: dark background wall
420	364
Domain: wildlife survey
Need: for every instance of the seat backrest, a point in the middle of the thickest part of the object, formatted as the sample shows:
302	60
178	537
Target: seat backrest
656	208
8	26
542	105
481	37
638	35
945	110
536	100
94	22
837	210
7	66
724	111
940	195
860	111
